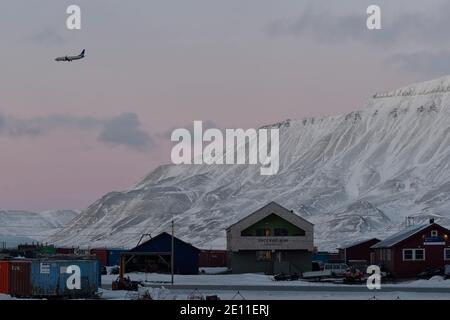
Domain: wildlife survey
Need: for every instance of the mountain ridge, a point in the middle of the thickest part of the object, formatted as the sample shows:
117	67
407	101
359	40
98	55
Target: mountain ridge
18	226
357	175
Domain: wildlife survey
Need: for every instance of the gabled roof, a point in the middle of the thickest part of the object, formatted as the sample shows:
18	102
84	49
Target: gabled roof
356	243
400	236
159	236
275	206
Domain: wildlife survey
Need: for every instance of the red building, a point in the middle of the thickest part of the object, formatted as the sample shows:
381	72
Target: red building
212	258
101	254
358	252
413	250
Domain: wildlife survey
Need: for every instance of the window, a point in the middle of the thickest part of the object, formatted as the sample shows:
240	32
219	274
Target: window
420	253
446	253
259	232
263	255
408	254
281	232
281	256
434	233
413	254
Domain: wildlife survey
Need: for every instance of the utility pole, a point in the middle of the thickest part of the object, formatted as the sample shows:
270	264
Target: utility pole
172	257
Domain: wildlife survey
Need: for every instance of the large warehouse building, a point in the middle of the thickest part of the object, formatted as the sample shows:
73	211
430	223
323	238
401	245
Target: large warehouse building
272	240
154	255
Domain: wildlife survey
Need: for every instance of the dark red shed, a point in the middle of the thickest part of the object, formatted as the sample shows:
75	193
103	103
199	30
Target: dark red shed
65	250
212	258
357	252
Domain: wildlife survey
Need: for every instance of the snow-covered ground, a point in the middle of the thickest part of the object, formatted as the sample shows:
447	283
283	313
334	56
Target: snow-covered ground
206	279
5	297
215	270
179	294
161	291
166	294
282	290
251	279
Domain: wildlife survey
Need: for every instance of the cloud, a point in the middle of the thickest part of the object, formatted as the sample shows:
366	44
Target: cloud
122	130
125	130
320	25
48	36
32	127
207	124
414	41
324	26
423	62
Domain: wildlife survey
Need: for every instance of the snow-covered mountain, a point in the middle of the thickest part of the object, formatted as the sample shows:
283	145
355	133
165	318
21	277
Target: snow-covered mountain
25	226
354	176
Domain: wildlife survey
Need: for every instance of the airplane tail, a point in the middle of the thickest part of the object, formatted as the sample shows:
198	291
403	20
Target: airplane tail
82	53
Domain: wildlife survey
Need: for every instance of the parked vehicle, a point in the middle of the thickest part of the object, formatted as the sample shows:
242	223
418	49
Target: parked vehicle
329	270
286	277
317	275
447	271
353	275
317	265
337	269
103	270
125	284
429	273
115	270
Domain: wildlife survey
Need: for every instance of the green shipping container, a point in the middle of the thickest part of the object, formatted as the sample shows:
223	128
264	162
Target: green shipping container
47	250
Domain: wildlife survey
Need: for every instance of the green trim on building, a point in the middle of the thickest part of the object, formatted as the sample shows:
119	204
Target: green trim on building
273	225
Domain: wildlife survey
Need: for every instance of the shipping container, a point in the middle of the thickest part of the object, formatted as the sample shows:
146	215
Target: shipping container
212	258
5	268
114	256
81	252
20	282
65	250
322	256
49	278
47	250
46	278
101	255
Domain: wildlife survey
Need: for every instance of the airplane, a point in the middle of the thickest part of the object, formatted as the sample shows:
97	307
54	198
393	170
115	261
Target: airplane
71	58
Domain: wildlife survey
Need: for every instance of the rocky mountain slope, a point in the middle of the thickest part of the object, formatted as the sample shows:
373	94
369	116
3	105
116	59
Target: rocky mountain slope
354	176
24	226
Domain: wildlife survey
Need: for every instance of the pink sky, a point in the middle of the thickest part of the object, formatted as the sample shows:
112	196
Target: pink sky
204	61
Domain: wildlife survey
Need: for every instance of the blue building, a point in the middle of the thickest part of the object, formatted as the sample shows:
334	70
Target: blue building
154	255
114	256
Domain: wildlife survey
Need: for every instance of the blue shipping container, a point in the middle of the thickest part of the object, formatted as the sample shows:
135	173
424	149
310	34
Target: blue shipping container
322	256
49	278
114	256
